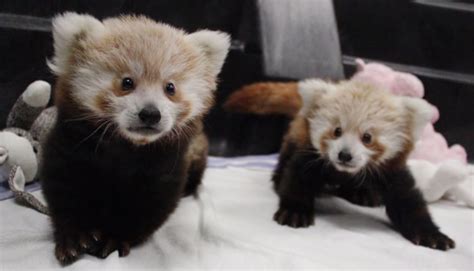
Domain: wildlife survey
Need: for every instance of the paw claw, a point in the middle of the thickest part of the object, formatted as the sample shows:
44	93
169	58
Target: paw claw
109	245
66	254
434	240
96	235
85	241
70	247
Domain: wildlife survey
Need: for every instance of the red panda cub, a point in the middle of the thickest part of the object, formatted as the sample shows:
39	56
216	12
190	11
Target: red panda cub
131	94
347	140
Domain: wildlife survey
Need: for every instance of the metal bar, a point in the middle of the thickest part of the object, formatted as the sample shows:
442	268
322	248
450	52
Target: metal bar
420	71
447	4
25	22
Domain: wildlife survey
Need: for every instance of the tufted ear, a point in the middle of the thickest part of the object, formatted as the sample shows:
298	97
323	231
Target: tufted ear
3	155
214	45
68	29
311	91
420	114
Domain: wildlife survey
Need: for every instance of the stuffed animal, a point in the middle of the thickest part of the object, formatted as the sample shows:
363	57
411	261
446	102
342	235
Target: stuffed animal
440	171
432	146
30	111
17	150
27	125
450	180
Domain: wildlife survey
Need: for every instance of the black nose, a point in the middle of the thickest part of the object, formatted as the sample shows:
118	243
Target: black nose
150	115
344	156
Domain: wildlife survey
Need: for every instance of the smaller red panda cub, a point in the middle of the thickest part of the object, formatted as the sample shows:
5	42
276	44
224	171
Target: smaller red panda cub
348	140
128	142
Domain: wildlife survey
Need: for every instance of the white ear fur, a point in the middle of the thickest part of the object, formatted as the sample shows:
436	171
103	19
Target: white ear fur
310	91
214	45
66	28
421	113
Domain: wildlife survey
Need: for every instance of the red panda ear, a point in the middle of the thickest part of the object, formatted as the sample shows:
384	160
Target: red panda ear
420	113
214	45
67	29
311	91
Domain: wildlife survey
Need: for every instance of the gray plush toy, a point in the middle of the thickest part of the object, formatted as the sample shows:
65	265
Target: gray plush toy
20	143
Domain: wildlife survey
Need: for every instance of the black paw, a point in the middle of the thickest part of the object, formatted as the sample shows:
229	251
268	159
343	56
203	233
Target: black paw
104	246
69	247
294	219
434	240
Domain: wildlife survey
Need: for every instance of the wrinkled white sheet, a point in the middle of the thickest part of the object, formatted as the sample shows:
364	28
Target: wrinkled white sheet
231	226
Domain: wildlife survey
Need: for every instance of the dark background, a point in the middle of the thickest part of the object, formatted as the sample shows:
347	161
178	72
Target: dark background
396	31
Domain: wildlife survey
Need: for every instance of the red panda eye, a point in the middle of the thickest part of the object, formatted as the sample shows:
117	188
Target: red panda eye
128	84
170	89
338	132
366	138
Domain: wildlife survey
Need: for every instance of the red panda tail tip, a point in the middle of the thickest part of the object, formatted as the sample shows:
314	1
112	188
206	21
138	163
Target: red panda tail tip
265	99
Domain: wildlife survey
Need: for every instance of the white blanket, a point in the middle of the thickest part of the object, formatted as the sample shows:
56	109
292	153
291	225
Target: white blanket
231	226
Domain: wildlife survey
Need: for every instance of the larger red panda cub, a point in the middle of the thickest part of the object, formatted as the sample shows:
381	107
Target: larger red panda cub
350	139
128	143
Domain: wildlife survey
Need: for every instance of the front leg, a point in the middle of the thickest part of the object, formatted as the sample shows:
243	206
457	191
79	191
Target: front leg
71	241
296	192
409	213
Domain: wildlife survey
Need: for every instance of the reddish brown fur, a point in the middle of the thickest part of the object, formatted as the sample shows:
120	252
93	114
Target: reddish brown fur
400	160
298	132
103	102
266	98
64	100
377	148
328	135
185	110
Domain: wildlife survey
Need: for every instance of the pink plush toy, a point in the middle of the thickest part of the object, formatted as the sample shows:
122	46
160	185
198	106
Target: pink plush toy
432	146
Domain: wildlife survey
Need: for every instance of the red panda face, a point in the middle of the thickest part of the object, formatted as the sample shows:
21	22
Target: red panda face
352	148
143	78
357	127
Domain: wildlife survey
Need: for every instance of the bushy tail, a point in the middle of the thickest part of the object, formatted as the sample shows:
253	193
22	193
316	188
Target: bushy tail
266	98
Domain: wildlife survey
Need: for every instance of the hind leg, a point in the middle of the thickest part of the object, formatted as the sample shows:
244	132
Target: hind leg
197	159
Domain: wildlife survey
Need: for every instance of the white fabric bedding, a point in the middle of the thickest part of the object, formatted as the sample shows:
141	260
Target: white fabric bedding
231	227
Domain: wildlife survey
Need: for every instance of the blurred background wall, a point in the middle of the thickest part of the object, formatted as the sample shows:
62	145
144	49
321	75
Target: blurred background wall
433	39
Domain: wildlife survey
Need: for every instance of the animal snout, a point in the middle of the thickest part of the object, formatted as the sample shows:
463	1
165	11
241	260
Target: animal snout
344	156
150	115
